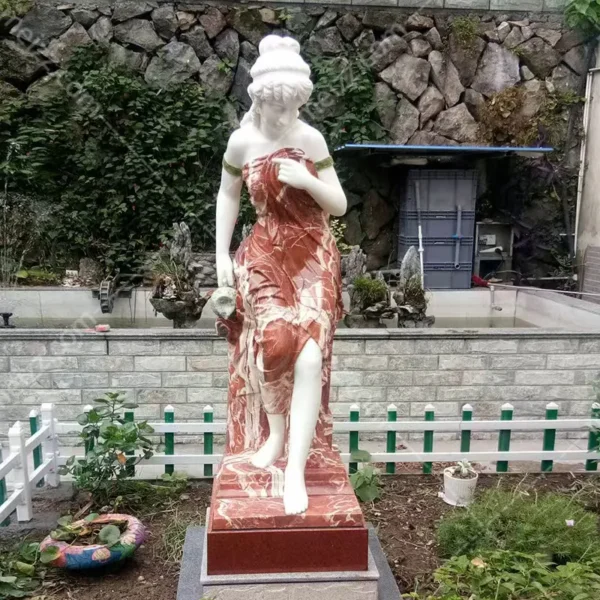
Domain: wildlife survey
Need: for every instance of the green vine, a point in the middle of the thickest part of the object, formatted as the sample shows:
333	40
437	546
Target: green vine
584	15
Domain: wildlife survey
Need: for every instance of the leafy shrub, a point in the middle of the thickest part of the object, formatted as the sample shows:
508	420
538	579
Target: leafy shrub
584	15
119	161
113	445
505	575
369	291
550	524
366	482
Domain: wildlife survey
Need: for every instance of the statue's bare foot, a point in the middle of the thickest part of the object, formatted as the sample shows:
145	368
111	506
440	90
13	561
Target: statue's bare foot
270	451
295	498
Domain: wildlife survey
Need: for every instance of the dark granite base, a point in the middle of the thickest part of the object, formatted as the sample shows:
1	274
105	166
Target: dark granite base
190	586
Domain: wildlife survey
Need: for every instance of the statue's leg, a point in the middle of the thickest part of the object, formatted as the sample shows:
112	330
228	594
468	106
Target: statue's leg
304	413
272	449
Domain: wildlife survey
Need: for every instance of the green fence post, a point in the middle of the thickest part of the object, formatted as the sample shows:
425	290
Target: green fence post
89	444
549	435
208	440
34	426
353	443
504	437
129	418
593	439
428	437
6	521
465	434
392	417
169	438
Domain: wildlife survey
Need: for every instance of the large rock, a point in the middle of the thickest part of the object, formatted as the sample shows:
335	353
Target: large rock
406	122
576	59
475	102
533	94
349	26
60	50
216	78
8	91
498	70
165	21
428	138
431	103
196	38
445	76
248	23
128	9
128	59
382	20
174	63
101	31
213	22
299	22
385	103
420	47
185	19
378	250
466	57
327	19
419	22
408	75
353	234
241	82
387	51
139	33
17	63
564	80
570	39
540	57
227	46
84	16
550	36
375	214
249	51
434	38
326	41
47	88
514	38
40	25
503	30
457	123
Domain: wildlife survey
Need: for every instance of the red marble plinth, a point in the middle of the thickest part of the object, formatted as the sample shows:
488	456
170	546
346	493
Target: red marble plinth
249	532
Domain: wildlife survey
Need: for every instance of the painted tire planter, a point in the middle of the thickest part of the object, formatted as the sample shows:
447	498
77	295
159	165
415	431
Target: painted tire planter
459	491
76	557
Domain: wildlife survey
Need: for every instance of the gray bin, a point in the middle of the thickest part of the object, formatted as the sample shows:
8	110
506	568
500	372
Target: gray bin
441	190
435	224
444	276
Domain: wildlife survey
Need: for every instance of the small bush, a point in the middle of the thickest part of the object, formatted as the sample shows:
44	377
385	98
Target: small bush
549	524
370	291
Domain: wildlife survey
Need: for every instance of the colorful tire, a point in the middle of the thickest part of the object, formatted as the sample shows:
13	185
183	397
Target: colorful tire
75	557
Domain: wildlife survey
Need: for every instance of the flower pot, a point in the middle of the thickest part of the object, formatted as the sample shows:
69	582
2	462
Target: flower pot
459	491
72	556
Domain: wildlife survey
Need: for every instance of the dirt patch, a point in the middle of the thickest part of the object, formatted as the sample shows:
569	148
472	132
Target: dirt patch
406	518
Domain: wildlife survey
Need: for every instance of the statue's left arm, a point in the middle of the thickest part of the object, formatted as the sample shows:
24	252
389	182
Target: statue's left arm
325	188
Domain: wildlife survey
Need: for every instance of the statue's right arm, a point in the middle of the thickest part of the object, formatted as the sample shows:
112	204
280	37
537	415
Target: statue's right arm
228	206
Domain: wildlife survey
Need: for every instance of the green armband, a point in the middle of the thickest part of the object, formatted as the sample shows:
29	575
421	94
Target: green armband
324	164
235	171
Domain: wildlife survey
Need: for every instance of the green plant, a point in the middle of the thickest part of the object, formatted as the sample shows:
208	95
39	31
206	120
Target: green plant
113	445
549	523
369	291
366	482
506	575
21	570
583	15
118	161
87	533
465	30
170	548
14	8
342	105
463	470
337	229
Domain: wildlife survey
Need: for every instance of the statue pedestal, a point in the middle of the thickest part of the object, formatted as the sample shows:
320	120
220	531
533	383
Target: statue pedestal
249	532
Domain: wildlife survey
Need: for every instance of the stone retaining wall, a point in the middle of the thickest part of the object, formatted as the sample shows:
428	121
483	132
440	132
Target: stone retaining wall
371	368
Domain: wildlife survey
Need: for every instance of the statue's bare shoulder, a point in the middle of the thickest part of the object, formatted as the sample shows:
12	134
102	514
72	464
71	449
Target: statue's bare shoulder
313	142
237	147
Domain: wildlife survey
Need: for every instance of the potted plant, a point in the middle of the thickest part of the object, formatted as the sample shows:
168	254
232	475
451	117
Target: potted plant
460	481
96	541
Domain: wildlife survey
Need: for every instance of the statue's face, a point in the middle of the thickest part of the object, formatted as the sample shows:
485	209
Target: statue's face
276	117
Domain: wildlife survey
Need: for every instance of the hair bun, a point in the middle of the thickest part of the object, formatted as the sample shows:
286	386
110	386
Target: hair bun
275	43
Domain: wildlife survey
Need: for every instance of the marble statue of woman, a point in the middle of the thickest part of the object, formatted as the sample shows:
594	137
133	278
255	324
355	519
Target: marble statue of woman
286	273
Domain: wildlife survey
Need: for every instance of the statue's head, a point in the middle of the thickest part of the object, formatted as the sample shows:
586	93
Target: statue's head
280	83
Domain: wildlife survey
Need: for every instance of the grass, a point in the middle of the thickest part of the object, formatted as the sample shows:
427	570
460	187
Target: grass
170	548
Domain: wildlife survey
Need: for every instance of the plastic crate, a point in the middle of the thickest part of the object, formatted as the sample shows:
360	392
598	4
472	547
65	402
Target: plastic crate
441	190
438	250
444	276
435	224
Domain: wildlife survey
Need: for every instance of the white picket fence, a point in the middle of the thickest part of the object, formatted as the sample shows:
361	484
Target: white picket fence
47	462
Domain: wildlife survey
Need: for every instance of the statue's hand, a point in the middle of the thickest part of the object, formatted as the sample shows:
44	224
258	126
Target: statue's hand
293	173
225	276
